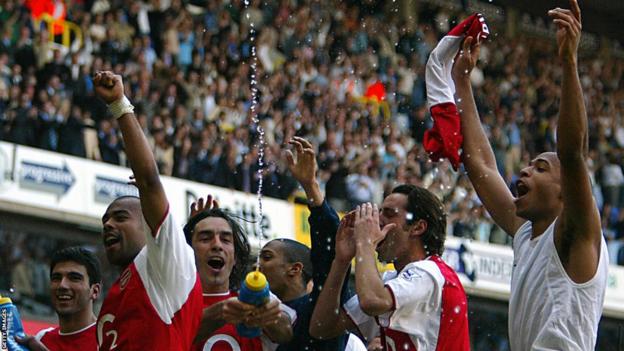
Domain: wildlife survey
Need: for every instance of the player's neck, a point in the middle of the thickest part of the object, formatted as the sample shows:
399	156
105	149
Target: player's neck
76	322
539	225
295	291
415	253
208	288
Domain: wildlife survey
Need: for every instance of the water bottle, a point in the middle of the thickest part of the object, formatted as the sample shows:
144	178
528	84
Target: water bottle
254	291
10	326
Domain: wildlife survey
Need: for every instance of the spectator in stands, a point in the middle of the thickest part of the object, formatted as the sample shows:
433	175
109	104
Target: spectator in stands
316	99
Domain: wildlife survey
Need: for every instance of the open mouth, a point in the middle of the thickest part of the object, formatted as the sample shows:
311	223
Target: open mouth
111	240
63	297
521	188
216	263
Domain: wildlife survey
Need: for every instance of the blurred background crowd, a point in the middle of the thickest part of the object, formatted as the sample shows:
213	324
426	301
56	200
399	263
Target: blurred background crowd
187	72
186	67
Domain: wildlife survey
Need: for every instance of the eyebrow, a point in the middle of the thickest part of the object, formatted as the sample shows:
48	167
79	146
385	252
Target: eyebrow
212	231
115	213
540	160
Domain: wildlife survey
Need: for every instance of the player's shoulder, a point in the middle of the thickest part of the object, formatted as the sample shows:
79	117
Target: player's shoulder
421	270
46	332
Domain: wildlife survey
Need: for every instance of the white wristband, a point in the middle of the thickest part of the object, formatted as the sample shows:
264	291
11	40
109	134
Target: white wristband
120	107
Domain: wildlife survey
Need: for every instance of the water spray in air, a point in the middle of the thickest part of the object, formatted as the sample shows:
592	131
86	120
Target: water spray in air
254	116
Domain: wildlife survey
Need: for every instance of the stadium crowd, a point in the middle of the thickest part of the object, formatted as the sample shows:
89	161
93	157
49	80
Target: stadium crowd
190	78
188	73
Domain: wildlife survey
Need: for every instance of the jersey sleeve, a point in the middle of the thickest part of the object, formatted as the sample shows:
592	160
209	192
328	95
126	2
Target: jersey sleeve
167	268
416	289
42	332
366	325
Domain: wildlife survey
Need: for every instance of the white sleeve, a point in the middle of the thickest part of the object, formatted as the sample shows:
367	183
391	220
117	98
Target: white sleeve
365	324
416	290
42	332
167	268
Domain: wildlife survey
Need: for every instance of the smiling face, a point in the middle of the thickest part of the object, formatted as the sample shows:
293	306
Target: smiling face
122	234
70	289
215	256
539	188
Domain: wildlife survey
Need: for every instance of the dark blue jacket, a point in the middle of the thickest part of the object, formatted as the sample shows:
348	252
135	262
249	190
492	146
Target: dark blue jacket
324	223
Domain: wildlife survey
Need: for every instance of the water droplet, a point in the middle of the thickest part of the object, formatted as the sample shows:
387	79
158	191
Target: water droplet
457	309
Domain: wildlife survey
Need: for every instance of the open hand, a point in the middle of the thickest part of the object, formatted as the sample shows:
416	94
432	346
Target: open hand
200	206
345	244
366	226
466	59
568	30
303	167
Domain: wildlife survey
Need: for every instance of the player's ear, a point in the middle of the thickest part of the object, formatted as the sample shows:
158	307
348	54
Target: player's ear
295	268
96	290
418	228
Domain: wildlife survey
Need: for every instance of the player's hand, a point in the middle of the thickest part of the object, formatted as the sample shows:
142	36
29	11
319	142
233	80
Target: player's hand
108	86
375	345
366	226
345	244
568	30
200	205
303	167
264	315
234	311
31	343
466	59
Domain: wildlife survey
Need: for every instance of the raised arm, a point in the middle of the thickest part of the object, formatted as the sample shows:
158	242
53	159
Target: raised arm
578	231
477	155
303	168
329	320
375	298
109	87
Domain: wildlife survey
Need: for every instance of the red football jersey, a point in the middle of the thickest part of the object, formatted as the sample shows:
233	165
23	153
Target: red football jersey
226	338
430	310
156	302
80	340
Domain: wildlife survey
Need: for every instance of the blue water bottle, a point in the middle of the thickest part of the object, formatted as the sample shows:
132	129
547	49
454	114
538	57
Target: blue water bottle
10	326
254	291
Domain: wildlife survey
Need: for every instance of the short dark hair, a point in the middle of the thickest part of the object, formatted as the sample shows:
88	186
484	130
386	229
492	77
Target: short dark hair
242	249
295	251
81	256
423	204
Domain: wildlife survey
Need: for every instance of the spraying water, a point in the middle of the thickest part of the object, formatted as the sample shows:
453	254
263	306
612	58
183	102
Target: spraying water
259	129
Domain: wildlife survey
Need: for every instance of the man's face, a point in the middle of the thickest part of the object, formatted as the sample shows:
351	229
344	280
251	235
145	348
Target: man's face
70	288
274	267
393	211
215	256
123	234
539	187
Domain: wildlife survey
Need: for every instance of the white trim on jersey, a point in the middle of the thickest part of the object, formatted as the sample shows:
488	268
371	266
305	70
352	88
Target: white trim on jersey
166	266
43	332
77	331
